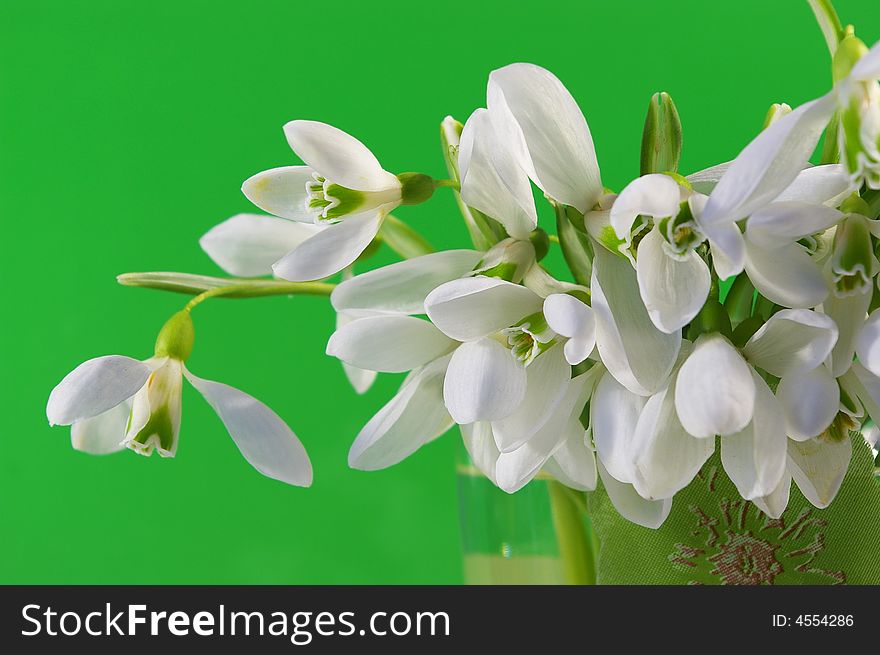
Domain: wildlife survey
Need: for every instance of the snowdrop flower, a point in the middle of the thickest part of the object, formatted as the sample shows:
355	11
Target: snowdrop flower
491	180
342	186
817	466
673	278
740	407
778	259
559	447
853	265
645	454
114	402
486	344
417	413
532	128
387	336
546	133
858	96
486	380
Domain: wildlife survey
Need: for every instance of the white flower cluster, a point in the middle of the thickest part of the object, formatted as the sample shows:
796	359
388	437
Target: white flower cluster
733	305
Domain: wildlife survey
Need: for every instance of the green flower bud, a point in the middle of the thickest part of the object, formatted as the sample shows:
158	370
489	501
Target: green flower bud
661	138
777	110
176	337
415	188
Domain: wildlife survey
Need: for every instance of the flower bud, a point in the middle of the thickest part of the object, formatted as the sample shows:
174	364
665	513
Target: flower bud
777	110
661	138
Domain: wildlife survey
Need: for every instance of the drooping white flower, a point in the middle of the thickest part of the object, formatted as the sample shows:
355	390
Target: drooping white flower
386	336
817	466
114	402
777	262
740	407
673	278
641	441
484	381
536	117
559	446
491	180
342	186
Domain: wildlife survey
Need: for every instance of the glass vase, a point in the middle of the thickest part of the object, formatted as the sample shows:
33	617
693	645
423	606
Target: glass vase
539	535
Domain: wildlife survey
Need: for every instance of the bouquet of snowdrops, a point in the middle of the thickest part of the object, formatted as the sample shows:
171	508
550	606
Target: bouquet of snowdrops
729	308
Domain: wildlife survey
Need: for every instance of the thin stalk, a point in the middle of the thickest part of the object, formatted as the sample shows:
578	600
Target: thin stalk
452	184
575	548
200	285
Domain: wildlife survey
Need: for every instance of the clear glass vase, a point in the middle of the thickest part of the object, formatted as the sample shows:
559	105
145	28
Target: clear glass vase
538	535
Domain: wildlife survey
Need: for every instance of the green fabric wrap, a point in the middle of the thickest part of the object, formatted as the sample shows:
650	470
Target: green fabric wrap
712	536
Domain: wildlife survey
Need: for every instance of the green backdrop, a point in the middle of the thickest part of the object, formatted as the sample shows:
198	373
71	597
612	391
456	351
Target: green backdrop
126	130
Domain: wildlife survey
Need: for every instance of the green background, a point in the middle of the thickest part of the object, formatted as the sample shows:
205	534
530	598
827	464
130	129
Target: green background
126	130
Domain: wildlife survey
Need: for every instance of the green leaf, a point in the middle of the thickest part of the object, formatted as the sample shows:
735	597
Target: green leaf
712	536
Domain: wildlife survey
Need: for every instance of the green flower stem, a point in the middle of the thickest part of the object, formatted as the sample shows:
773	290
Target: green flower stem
452	184
575	548
205	286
